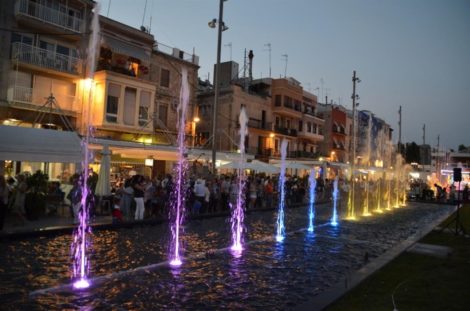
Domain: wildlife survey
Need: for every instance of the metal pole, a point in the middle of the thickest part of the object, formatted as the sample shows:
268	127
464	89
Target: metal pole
216	88
353	164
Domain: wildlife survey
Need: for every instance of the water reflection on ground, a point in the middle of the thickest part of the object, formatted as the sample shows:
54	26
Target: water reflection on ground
267	275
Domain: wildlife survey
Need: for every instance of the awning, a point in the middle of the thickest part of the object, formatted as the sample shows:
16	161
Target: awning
124	48
39	145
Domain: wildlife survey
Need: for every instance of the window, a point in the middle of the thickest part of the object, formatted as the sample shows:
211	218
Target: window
163	113
309	127
112	103
165	78
278	122
288	102
130	95
144	108
300	126
278	100
17	37
314	129
288	124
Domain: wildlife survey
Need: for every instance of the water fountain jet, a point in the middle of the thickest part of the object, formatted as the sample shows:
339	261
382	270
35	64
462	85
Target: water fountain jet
178	194
237	211
311	207
280	232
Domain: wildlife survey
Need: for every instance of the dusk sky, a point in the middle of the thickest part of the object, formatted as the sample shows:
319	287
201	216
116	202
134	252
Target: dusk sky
413	53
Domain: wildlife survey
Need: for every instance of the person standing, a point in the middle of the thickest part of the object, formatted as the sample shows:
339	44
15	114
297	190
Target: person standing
75	198
200	193
3	200
225	193
139	188
20	197
127	196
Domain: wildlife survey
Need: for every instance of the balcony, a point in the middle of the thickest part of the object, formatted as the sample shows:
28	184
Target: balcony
51	16
35	56
316	136
257	124
288	109
303	154
339	131
260	152
285	131
33	99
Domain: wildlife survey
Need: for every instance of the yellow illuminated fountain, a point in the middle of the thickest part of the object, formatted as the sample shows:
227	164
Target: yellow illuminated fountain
351	215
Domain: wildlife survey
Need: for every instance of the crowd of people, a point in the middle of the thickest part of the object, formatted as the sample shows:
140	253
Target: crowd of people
140	197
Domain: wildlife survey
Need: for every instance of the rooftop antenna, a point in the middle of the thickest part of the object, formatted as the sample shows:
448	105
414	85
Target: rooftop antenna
145	10
109	6
268	45
245	84
286	57
322	82
424	134
151	10
230	46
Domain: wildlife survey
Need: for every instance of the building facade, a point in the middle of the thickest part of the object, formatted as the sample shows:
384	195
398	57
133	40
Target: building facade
129	100
334	146
277	109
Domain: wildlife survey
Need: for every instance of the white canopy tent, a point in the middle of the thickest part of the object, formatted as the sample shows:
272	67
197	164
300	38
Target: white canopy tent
103	187
254	165
39	145
294	165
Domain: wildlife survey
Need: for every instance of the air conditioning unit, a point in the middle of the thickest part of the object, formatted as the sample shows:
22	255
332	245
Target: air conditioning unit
176	52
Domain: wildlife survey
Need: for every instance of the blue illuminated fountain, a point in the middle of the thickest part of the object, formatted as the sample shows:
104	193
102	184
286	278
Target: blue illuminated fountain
311	207
280	229
334	217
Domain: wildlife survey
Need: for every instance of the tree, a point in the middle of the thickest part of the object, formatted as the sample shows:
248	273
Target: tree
462	148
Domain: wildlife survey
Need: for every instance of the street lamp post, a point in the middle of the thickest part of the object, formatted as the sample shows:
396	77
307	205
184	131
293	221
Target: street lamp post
353	160
221	27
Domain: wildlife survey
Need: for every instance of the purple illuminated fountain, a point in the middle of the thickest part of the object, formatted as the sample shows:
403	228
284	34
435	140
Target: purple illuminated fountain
311	207
178	194
237	211
82	235
280	229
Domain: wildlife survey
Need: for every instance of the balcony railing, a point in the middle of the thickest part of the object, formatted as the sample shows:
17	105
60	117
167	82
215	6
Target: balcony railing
339	131
48	15
260	125
192	58
306	154
38	97
266	152
33	55
285	131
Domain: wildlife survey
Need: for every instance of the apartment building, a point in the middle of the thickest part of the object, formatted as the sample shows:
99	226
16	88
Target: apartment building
130	102
334	146
277	109
137	91
296	119
373	142
41	77
42	54
232	97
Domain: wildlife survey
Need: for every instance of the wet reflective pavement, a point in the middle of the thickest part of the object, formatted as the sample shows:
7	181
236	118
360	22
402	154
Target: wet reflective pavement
270	275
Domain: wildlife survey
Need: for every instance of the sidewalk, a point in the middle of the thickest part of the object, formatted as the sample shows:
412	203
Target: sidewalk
58	224
46	224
